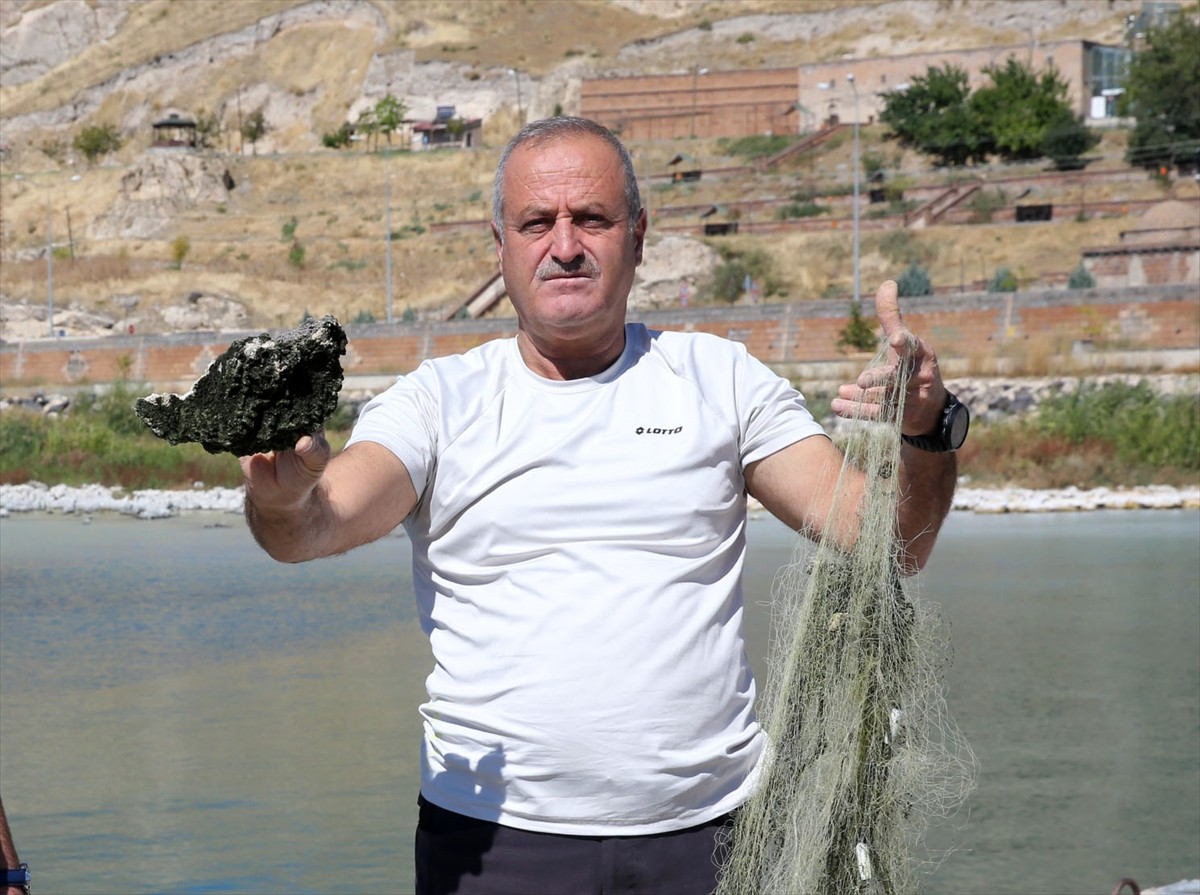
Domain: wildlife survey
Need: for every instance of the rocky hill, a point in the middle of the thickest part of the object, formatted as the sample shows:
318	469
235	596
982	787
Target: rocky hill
260	234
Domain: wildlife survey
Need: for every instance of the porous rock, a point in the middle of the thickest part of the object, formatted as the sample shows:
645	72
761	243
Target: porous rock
262	394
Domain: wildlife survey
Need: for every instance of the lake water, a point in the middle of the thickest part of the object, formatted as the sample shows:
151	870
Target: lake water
178	713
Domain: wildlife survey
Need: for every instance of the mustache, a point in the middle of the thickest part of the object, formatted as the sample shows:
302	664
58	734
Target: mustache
553	269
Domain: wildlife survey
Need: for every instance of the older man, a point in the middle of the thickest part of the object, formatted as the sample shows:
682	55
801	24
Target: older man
576	502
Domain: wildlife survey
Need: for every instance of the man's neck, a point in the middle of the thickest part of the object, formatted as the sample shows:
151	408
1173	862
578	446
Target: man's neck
572	363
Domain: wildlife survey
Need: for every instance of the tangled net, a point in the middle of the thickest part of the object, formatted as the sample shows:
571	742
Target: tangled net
863	755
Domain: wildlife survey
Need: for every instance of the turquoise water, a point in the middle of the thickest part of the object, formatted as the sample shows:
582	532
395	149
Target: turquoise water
178	713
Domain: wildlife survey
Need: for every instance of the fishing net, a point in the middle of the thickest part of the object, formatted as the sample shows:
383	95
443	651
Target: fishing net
863	754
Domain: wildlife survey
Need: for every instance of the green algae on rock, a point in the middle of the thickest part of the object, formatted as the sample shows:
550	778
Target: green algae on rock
264	393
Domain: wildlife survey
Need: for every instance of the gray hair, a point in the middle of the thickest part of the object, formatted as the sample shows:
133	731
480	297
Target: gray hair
549	129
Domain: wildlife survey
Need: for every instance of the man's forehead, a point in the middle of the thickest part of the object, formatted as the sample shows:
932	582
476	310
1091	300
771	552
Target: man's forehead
581	162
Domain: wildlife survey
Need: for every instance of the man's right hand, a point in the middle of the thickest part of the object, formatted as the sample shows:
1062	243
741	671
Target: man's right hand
302	504
282	481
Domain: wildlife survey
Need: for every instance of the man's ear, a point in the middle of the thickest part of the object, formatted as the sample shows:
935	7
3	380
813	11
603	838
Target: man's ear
639	236
499	240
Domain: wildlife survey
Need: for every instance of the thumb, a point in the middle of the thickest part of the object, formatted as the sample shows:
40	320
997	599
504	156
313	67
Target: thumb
313	453
887	309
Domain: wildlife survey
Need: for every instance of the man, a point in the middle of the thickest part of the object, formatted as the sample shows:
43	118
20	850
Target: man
576	501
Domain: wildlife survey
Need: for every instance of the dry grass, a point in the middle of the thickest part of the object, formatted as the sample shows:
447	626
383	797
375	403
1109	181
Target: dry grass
334	205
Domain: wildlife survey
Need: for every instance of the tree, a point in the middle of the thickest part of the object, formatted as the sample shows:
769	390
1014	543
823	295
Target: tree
934	116
389	116
254	128
1019	107
1065	142
96	140
368	125
1163	93
208	129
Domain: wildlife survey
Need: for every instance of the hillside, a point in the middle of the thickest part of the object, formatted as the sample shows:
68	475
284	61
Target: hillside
165	241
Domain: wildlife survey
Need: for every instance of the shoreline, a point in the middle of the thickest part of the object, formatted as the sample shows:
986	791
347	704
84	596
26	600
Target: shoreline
35	497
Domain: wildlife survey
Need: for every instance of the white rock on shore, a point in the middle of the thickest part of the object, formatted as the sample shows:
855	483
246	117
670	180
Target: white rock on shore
35	497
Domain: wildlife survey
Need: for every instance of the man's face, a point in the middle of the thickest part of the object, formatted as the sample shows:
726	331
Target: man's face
567	254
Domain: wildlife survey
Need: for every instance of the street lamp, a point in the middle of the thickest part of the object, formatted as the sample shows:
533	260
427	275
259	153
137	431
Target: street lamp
696	73
854	87
520	111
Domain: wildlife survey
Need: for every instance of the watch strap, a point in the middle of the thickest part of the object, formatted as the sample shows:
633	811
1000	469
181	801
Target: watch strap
17	876
939	441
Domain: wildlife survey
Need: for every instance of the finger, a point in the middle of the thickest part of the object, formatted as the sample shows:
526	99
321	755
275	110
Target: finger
887	308
855	410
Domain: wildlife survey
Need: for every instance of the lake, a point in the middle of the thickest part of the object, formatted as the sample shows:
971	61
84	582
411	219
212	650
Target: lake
178	713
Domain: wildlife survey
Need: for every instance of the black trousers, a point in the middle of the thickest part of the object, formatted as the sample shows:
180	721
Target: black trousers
462	855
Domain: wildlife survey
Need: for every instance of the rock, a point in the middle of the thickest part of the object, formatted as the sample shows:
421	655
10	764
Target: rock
262	394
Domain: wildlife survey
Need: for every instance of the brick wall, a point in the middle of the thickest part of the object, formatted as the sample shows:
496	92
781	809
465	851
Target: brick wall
962	327
758	101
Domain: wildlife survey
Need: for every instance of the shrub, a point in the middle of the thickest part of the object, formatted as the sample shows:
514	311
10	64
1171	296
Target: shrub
914	281
857	334
180	246
296	256
97	140
754	145
801	210
1145	428
339	138
1004	280
985	203
1081	278
728	280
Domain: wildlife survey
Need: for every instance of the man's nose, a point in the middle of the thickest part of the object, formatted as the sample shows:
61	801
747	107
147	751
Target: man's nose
565	246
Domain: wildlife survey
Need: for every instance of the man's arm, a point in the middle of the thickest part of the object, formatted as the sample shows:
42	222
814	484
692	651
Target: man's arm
8	852
301	505
800	484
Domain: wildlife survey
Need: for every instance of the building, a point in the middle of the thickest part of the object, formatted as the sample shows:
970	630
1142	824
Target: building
447	130
705	103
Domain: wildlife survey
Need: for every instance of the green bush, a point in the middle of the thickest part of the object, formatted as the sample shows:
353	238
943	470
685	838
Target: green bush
914	281
96	140
339	138
801	210
728	280
1081	278
101	440
857	334
1004	280
1146	428
754	145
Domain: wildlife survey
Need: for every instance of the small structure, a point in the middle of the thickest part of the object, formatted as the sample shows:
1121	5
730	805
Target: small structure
175	131
448	130
1163	249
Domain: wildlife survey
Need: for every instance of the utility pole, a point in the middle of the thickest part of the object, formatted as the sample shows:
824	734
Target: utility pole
388	235
857	165
49	269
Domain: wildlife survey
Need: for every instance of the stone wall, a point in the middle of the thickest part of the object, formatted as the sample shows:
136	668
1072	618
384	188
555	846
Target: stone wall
975	333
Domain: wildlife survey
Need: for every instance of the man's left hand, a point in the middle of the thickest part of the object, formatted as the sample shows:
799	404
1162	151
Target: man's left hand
875	389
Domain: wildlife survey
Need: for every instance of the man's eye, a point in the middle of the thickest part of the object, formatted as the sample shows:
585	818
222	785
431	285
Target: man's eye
594	221
535	226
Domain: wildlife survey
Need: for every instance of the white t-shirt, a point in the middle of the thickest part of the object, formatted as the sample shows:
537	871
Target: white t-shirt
577	560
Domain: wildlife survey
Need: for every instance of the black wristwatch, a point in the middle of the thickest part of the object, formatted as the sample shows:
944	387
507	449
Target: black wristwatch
17	876
950	433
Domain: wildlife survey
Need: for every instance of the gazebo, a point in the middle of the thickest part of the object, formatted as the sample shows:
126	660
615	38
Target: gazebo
174	130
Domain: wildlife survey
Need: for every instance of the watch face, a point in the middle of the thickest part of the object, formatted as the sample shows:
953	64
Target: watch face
960	421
